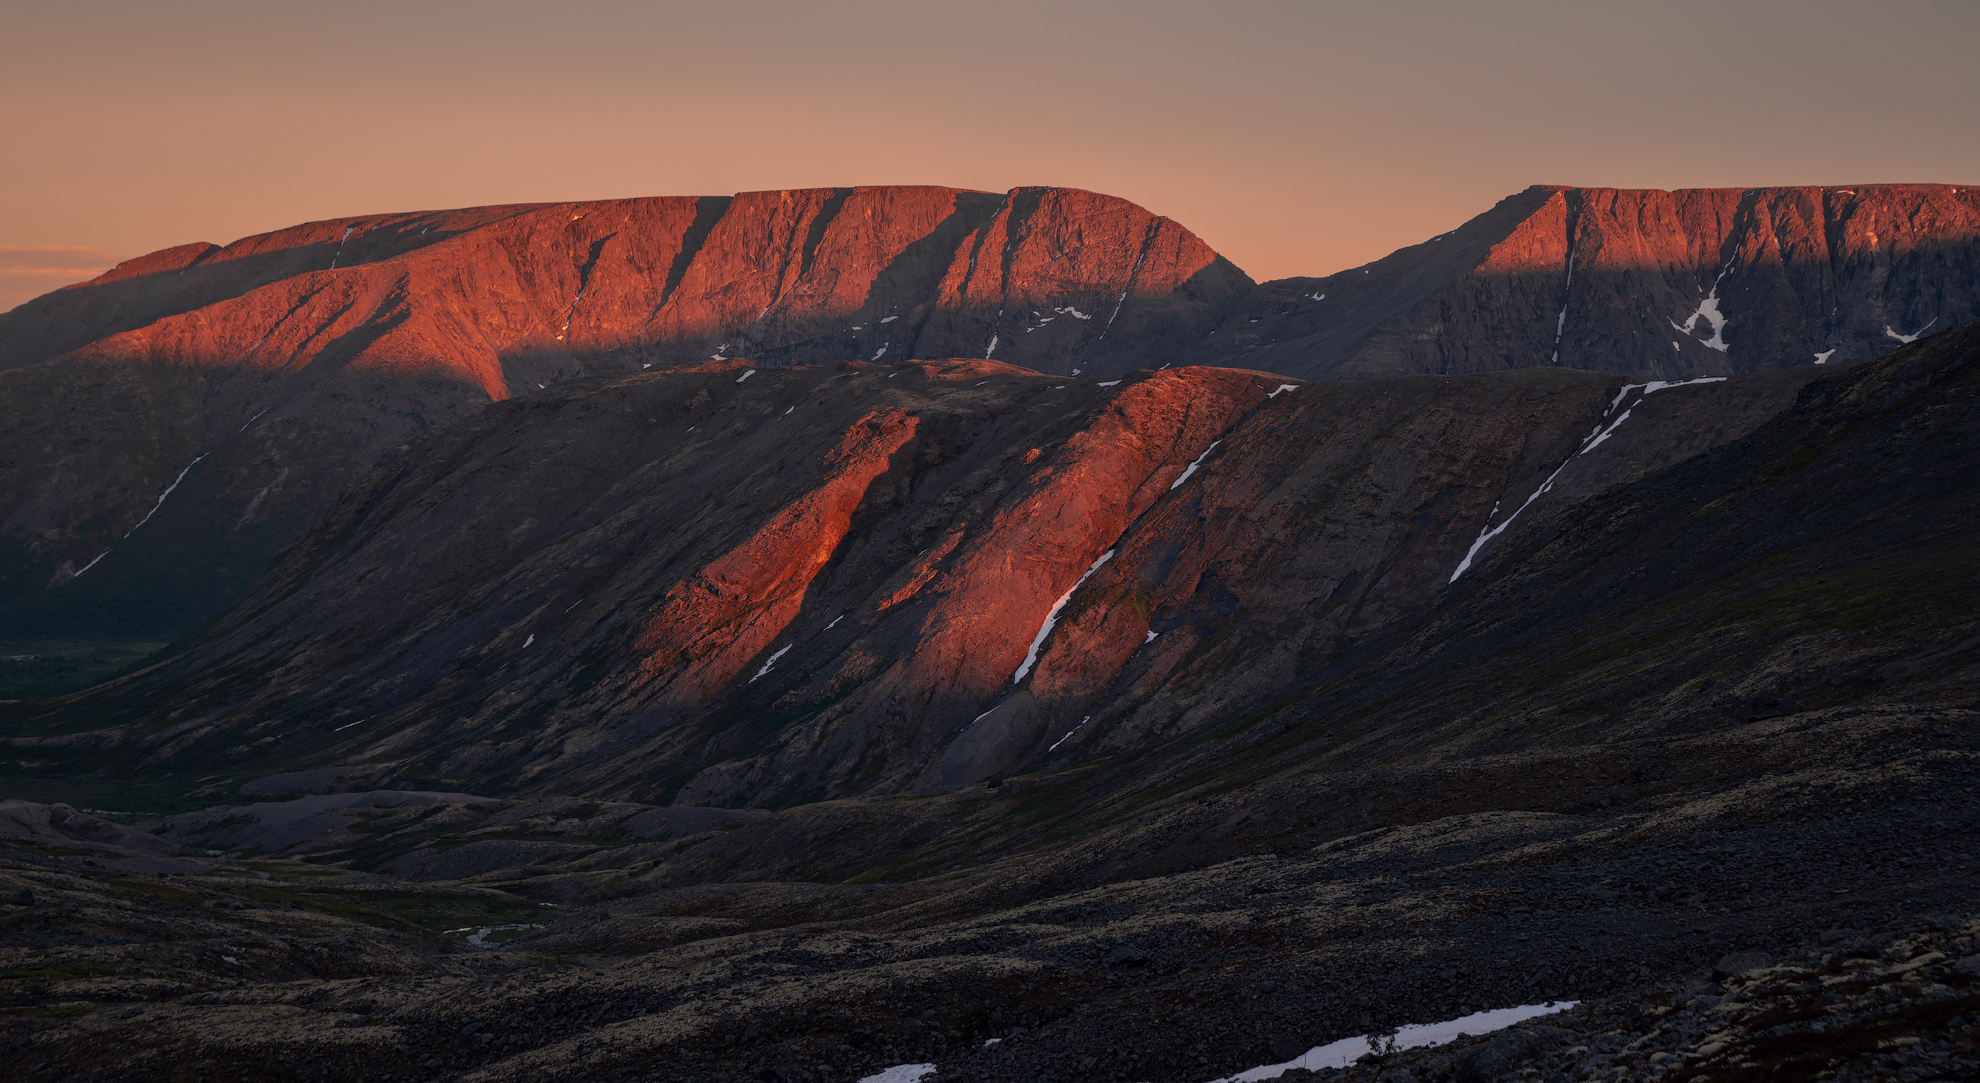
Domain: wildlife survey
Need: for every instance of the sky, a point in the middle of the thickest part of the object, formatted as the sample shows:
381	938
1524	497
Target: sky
1295	138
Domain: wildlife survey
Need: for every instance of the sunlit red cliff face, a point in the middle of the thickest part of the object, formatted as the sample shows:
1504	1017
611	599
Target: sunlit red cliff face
1646	283
502	298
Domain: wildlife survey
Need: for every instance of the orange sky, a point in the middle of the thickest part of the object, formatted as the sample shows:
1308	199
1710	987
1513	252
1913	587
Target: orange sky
1297	138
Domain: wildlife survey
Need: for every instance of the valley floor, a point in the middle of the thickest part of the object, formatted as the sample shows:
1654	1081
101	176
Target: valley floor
1806	918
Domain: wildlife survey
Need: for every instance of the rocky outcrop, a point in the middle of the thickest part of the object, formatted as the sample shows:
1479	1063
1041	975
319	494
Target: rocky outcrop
1646	283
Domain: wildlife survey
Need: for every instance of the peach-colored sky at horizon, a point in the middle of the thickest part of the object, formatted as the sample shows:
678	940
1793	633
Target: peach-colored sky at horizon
1296	138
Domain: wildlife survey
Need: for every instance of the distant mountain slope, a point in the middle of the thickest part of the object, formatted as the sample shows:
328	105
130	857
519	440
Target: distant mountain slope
661	588
1646	283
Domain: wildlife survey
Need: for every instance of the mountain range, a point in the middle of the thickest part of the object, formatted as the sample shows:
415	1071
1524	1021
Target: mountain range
258	381
609	640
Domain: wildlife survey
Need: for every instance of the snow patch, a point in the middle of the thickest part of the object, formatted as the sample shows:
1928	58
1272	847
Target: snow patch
835	621
1316	296
1052	618
1708	310
1109	383
1191	468
771	662
901	1073
1344	1052
531	639
1283	387
1823	357
882	351
1075	313
745	375
1150	639
992	349
888	319
1911	338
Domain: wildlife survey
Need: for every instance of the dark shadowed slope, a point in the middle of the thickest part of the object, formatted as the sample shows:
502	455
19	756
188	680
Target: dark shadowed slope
653	588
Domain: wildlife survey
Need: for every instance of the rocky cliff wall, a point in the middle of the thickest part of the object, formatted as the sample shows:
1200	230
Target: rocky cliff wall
1645	283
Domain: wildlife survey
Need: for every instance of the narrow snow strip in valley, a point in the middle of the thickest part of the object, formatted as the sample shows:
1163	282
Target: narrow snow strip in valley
1567	292
835	621
745	375
771	662
1055	748
154	507
992	349
1660	385
1490	532
1051	618
1191	468
1344	1052
1109	383
1592	444
92	563
166	493
1601	433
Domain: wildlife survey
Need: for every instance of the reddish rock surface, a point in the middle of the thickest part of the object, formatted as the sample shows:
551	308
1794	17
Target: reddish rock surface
503	298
